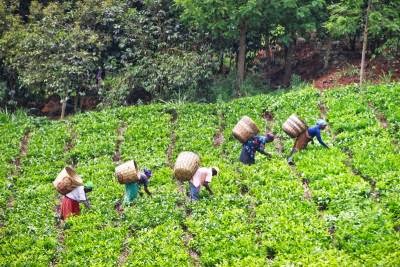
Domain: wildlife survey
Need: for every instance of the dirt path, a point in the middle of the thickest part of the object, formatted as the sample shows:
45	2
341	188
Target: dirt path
380	117
384	123
171	146
219	135
23	150
125	251
120	139
123	257
374	193
269	119
69	145
183	206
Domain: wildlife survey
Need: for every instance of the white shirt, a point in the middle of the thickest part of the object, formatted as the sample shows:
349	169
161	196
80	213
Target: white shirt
201	176
78	194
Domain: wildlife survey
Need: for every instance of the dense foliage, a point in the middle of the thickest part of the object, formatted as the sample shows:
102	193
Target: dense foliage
259	215
115	49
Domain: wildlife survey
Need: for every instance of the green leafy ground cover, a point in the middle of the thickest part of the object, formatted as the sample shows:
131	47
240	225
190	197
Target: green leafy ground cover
258	215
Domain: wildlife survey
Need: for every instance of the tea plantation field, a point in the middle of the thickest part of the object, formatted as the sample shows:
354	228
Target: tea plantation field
336	207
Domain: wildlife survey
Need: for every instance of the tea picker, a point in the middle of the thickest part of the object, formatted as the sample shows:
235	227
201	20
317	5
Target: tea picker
70	202
296	128
187	168
246	132
70	184
132	189
202	177
129	175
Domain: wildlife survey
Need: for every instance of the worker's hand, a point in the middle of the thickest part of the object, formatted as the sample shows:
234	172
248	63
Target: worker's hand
267	155
87	204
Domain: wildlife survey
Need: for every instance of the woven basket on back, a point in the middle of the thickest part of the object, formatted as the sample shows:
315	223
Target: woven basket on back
127	172
294	126
245	129
186	165
67	180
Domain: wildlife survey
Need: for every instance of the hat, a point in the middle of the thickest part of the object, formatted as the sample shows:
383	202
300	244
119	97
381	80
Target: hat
147	172
89	185
270	136
321	122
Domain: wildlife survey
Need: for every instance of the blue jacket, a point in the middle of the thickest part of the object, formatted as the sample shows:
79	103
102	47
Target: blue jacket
315	131
256	143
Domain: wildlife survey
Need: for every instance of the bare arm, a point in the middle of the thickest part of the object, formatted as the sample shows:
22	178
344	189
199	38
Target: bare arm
87	204
264	153
207	186
146	189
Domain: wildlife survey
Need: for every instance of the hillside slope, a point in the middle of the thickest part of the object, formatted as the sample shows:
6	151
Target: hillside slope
336	207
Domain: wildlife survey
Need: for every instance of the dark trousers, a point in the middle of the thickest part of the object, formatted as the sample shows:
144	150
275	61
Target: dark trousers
194	192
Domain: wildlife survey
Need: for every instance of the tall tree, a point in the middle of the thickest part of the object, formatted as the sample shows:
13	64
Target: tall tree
227	19
53	56
365	42
296	18
380	24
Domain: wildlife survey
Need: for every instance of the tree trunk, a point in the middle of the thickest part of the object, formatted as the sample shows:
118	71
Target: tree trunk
230	61
221	62
241	57
365	41
327	56
64	105
24	9
76	102
288	64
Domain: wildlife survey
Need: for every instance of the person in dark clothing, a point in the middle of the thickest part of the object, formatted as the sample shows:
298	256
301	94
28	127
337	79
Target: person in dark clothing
303	139
256	143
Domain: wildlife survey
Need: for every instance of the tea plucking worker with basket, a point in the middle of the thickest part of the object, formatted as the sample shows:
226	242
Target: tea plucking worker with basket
246	132
296	128
70	185
129	175
187	168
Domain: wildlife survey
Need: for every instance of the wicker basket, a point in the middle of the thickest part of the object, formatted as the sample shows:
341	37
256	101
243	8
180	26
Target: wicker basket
245	129
294	126
186	165
127	172
67	180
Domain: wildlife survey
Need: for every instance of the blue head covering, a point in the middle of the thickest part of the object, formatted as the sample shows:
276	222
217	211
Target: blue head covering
321	122
147	172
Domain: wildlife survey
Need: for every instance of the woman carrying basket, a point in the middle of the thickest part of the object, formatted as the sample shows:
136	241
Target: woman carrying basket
256	143
202	177
303	139
70	202
132	189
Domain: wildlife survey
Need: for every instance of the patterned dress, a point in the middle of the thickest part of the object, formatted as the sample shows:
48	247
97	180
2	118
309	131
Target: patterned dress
248	154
